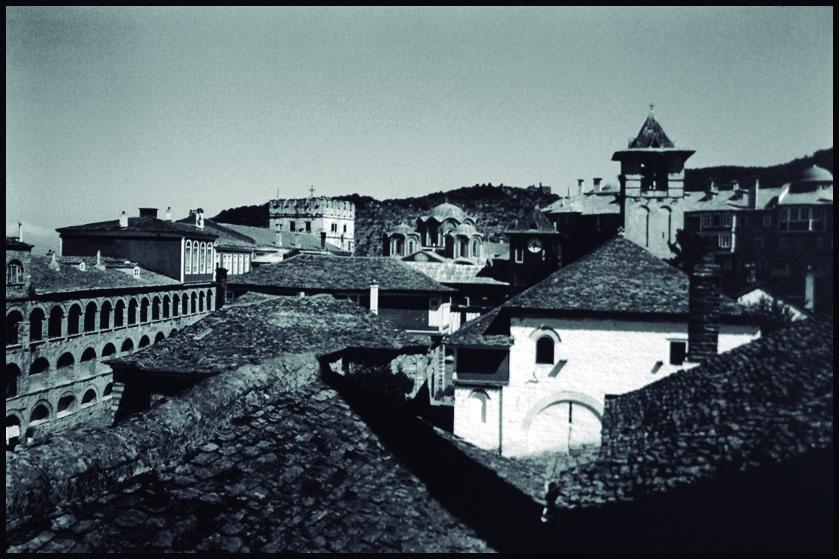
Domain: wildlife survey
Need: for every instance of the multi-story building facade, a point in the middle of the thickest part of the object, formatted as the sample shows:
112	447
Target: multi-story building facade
65	317
336	218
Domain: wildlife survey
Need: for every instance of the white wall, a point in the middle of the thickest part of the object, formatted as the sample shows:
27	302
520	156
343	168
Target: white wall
603	357
469	424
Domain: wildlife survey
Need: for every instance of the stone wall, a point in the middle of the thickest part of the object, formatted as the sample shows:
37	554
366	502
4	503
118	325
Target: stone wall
77	466
420	368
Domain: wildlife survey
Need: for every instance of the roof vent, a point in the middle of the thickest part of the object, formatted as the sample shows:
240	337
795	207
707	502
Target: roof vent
169	213
123	220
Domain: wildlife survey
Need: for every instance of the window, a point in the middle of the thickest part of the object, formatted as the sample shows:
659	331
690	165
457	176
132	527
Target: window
202	257
726	220
136	271
519	255
345	228
678	352
188	257
195	249
716	219
334	228
14	273
292	226
706	220
767	220
308	227
545	350
725	240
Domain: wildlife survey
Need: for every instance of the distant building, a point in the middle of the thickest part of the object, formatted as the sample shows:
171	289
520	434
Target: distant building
532	375
66	316
535	249
402	296
314	216
446	231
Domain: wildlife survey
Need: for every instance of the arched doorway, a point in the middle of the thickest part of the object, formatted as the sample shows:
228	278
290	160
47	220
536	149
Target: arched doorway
562	422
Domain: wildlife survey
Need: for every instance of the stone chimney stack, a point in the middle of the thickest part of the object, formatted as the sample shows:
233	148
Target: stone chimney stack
809	289
221	287
712	187
199	218
374	297
53	265
20	231
703	310
123	220
580	187
169	213
754	195
596	181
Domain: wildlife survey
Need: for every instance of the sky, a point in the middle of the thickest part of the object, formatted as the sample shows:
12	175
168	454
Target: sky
111	109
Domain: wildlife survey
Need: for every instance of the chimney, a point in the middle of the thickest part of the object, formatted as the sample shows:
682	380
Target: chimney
199	218
703	310
374	297
53	265
809	289
148	212
712	187
323	240
580	186
20	231
169	213
123	220
596	181
221	287
754	195
99	265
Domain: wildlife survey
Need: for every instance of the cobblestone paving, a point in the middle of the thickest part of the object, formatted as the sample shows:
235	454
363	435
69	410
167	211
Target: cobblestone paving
302	474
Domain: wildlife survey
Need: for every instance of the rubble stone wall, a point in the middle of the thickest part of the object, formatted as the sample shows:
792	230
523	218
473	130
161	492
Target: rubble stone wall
79	465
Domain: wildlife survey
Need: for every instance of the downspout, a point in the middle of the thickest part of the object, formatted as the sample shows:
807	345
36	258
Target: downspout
500	418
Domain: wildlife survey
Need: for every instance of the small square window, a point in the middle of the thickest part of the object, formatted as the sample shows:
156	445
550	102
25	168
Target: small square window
519	255
678	352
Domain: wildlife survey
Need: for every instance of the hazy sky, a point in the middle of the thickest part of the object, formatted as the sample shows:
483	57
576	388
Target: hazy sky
113	108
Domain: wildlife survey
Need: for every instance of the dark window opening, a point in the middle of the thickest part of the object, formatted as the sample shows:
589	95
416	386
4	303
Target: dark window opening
678	352
545	350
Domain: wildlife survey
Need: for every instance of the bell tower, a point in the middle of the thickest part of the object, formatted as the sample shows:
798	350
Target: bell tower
535	249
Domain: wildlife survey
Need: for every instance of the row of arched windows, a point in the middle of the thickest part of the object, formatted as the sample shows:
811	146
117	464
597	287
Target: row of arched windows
199	257
110	315
14	273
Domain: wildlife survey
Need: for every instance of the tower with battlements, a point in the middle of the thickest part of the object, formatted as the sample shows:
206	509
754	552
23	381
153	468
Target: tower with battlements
313	215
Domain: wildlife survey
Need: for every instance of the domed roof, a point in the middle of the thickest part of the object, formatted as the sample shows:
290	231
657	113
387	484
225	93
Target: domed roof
465	229
400	229
815	174
446	211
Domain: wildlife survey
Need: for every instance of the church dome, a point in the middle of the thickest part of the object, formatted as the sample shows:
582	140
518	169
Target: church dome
465	229
446	211
815	174
400	229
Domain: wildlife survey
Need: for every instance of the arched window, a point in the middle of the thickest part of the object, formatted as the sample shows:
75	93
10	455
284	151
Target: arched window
66	360
479	400
108	350
89	397
90	317
13	319
39	366
235	267
144	310
144	341
127	345
40	414
14	273
188	257
202	257
209	299
119	314
545	350
201	302
159	337
12	375
105	316
193	303
36	325
167	303
89	356
155	308
12	431
185	303
176	305
476	248
66	405
172	333
56	320
132	312
73	320
195	257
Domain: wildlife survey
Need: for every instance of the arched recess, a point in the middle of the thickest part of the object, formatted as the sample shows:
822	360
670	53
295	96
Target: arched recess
155	308
119	314
193	300
13	320
109	350
74	317
144	309
36	324
105	315
167	305
89	357
108	391
209	300
65	361
185	303
90	316
478	405
89	397
13	423
12	379
561	421
159	337
539	335
127	345
201	301
144	341
55	322
66	405
132	311
669	223
40	365
40	413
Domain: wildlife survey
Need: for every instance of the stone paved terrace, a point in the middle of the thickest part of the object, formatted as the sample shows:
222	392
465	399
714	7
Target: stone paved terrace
303	473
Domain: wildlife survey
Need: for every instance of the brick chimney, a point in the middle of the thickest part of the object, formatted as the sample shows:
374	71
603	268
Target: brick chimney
596	181
123	220
221	287
374	297
703	310
148	212
754	194
580	187
20	231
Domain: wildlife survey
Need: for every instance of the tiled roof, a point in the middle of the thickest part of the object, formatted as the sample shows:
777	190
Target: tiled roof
759	404
138	225
226	236
303	473
69	278
263	236
444	211
238	335
534	221
449	272
489	330
790	195
12	243
334	273
651	135
617	277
